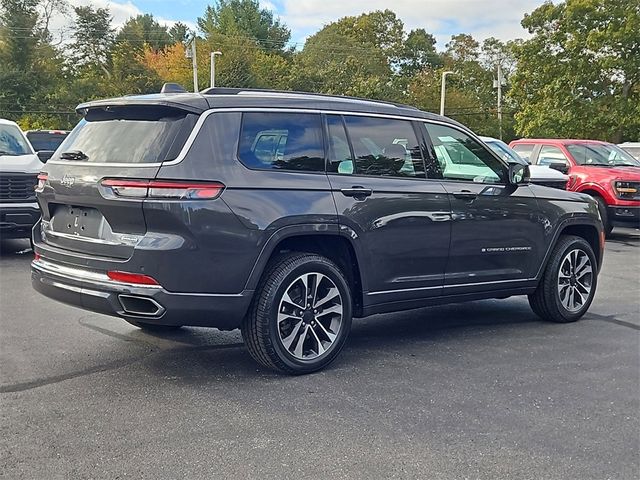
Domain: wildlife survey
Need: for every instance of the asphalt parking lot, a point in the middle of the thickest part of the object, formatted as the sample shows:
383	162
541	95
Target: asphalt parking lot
481	390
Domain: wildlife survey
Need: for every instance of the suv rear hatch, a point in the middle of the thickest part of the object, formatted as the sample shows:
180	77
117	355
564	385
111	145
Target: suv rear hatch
81	209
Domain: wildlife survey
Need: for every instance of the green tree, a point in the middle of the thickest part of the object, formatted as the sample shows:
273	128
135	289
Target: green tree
144	30
179	33
579	73
93	37
245	18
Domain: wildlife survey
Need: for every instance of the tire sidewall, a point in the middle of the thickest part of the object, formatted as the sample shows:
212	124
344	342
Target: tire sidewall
586	248
331	271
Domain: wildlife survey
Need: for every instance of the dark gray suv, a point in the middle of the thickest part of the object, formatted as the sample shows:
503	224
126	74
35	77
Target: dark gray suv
287	214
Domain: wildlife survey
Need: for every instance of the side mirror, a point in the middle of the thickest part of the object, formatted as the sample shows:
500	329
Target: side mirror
44	155
518	174
558	165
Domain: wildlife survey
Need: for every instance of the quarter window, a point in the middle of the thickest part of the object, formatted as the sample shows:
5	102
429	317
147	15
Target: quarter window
462	158
281	141
381	147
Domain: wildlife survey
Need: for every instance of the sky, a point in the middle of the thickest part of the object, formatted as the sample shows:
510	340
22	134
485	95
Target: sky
442	18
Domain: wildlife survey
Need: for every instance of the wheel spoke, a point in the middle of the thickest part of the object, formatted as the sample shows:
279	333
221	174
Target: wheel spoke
583	262
286	316
331	336
298	352
292	336
579	296
585	270
334	309
331	294
320	349
287	298
564	298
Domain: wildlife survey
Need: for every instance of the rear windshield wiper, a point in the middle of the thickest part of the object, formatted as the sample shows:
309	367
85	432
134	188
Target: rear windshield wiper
73	155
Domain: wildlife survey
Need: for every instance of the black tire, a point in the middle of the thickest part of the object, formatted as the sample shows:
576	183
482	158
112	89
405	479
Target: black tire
546	301
602	207
152	327
261	329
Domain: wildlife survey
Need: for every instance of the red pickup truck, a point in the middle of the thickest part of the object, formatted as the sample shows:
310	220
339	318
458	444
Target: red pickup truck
603	170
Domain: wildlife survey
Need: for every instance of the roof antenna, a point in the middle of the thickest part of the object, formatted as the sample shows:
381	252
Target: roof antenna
172	88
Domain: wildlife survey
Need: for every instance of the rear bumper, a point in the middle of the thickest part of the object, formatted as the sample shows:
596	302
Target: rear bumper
94	291
17	219
624	216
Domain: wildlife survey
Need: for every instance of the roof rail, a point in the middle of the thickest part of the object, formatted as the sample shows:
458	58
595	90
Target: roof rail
265	91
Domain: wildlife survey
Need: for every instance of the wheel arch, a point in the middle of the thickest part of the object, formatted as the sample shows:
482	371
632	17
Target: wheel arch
331	241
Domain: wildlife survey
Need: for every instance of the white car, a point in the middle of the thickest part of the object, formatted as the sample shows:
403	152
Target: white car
632	147
19	168
540	174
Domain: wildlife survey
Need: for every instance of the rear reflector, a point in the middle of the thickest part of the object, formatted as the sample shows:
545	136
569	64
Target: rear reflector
136	278
163	189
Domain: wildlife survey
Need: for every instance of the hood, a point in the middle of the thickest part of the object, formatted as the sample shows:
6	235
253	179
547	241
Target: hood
615	173
29	163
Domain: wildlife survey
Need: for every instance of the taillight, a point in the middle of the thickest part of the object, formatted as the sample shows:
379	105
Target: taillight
169	189
42	180
136	278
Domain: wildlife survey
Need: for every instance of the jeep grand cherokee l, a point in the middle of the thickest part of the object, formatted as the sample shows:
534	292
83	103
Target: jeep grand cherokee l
287	214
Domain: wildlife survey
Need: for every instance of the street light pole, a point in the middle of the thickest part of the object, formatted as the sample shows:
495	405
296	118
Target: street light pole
443	90
213	67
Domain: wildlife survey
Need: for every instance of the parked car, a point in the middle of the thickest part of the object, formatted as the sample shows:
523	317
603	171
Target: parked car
539	174
198	209
45	142
633	148
600	169
19	168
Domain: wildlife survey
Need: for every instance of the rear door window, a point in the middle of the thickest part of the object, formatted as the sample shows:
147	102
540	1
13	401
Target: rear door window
550	155
281	141
381	147
132	134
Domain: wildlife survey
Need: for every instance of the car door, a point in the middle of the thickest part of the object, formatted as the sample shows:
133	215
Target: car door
496	234
400	219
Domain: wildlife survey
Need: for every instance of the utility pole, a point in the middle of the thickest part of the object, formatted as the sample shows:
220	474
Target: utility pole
443	90
190	52
213	67
500	96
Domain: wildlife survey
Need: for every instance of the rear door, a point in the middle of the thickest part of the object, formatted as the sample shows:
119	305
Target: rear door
82	214
400	218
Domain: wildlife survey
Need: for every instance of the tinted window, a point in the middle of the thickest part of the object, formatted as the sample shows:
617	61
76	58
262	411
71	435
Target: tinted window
12	142
282	141
463	158
45	141
524	150
384	147
550	154
129	135
340	159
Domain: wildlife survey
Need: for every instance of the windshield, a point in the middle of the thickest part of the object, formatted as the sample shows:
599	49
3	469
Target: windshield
601	154
12	142
504	152
127	135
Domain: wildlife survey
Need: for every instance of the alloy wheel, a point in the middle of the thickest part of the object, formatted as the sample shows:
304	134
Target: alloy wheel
575	280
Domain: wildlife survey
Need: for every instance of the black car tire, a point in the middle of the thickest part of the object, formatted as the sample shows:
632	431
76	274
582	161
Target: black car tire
152	327
602	207
262	330
546	301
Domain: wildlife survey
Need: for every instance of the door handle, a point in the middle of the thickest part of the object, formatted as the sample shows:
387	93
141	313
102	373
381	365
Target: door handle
356	191
465	195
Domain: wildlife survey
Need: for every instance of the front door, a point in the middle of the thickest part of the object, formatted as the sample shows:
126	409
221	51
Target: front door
496	234
400	219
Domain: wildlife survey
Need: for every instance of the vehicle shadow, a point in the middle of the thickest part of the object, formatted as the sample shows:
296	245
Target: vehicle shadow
14	247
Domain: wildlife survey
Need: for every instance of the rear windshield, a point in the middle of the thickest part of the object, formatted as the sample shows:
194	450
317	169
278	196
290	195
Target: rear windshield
140	134
12	142
45	141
